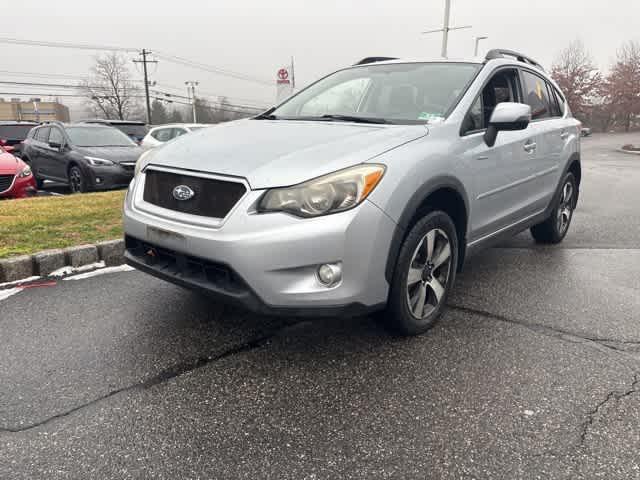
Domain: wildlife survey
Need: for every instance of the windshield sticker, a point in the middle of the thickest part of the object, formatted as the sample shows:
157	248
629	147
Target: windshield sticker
430	117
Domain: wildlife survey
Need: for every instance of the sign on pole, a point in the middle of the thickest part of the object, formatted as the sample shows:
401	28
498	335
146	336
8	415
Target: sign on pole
284	83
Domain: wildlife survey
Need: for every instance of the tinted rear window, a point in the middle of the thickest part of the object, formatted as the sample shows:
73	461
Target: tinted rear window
14	132
135	130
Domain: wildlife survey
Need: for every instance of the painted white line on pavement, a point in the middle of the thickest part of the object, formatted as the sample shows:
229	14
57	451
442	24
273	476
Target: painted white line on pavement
101	271
4	294
16	282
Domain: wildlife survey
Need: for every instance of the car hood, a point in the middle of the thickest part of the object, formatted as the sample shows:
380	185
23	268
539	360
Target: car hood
276	153
8	164
115	154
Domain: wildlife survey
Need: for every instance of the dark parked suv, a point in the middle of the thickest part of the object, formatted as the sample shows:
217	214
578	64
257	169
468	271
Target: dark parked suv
85	156
136	130
12	133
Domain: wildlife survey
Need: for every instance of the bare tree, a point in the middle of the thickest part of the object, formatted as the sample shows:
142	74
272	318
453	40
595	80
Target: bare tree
110	91
159	114
623	85
578	77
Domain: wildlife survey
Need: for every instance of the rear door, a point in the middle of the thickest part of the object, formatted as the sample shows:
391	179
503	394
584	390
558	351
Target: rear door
503	176
546	120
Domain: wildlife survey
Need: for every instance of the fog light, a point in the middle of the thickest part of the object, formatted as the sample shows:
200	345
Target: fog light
330	274
98	180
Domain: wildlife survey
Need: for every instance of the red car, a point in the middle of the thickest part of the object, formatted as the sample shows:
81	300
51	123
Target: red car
16	179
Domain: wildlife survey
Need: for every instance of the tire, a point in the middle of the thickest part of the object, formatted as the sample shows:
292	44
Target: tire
555	228
77	180
417	300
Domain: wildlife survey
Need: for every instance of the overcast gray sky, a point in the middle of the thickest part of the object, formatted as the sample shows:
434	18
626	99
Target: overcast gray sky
255	37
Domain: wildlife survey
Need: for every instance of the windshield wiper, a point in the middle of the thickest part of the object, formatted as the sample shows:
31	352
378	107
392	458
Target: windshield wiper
266	115
352	118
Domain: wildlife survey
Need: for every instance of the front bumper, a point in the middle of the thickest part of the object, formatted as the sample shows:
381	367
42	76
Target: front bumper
22	187
273	257
103	178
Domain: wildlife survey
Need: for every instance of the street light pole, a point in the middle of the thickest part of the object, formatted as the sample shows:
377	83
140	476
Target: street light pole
191	91
475	51
446	28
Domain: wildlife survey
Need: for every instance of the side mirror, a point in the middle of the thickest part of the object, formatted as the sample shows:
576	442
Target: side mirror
55	145
507	116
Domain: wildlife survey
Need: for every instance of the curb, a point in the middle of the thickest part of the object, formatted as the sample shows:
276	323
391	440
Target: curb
111	252
630	152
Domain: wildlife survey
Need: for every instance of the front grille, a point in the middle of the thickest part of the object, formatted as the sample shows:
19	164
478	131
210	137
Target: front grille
128	166
5	182
213	198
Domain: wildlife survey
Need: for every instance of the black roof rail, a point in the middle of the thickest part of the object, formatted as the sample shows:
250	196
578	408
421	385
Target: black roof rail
502	53
366	60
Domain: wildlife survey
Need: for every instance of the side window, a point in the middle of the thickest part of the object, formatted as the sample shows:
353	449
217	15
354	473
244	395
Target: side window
561	101
536	95
475	118
177	132
163	134
42	135
502	87
553	101
56	136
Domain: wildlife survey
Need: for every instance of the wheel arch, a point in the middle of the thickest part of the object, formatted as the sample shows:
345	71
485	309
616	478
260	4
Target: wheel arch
442	193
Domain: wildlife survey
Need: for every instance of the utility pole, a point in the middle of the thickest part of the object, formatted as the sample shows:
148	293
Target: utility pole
446	28
191	91
144	62
475	51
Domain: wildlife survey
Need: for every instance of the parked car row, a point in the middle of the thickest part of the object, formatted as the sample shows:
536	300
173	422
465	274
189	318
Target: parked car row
89	155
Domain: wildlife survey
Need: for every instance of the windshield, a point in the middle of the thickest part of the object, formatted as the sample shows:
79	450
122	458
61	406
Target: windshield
134	130
14	132
98	137
398	93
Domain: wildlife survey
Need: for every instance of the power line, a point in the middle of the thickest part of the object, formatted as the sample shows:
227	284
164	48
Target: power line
77	46
165	56
211	68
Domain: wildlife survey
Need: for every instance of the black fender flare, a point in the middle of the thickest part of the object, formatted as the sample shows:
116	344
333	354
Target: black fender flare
417	199
575	157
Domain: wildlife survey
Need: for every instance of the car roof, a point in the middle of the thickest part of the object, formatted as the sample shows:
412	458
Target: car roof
17	122
489	60
188	125
114	122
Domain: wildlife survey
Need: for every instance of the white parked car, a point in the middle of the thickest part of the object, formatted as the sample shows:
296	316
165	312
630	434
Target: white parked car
164	133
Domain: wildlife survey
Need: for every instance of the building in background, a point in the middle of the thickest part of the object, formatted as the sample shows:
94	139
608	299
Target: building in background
32	110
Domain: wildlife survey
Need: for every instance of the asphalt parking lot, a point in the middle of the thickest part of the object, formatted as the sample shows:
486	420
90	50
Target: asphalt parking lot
533	373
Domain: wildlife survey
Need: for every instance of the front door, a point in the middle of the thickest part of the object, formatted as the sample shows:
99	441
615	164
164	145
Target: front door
56	154
503	175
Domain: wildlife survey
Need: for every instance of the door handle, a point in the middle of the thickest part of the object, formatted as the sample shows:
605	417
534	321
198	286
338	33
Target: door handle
530	146
564	135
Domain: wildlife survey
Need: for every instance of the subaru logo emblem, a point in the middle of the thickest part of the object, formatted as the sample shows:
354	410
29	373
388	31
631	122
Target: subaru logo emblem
183	192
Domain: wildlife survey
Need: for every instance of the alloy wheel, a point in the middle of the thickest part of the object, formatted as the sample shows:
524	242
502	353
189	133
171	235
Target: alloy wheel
75	180
429	273
565	208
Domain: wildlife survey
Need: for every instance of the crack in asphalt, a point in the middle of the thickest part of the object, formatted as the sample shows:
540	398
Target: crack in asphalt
591	415
165	375
547	330
570	337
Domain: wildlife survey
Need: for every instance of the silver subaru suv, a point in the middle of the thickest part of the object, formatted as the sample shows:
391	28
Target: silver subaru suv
365	191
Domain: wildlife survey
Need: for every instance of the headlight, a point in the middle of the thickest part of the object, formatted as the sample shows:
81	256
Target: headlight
26	171
332	193
139	163
98	162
